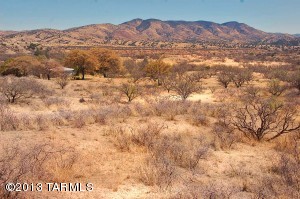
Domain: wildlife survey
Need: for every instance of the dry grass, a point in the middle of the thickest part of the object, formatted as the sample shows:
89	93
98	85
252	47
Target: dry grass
39	162
154	147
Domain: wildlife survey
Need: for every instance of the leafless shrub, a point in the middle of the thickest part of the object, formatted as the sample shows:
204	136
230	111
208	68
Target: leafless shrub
45	121
285	181
214	110
294	80
33	163
100	117
211	190
84	117
168	82
198	76
42	122
131	91
62	80
259	118
56	119
8	120
224	78
276	73
90	116
67	115
225	135
221	95
200	120
79	121
106	90
157	171
121	138
56	101
169	108
275	88
135	69
144	109
185	86
14	88
181	68
192	159
268	187
147	136
34	122
166	153
241	76
124	112
24	122
288	167
251	92
238	171
214	191
288	170
183	153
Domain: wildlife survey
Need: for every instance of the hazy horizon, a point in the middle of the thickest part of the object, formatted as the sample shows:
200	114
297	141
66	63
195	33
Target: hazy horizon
273	16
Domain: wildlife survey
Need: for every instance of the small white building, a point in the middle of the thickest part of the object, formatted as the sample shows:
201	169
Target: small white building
68	70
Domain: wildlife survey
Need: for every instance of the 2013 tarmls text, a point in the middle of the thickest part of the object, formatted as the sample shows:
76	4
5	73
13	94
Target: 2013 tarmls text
49	186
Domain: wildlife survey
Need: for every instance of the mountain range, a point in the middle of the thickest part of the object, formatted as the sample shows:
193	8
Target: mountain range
141	32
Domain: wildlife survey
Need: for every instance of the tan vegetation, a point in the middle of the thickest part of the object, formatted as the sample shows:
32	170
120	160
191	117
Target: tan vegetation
196	131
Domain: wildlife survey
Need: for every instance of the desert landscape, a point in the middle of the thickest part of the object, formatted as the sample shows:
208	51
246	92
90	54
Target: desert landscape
150	109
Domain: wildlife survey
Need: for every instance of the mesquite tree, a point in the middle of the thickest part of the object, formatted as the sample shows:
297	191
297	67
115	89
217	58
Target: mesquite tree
82	61
108	61
131	90
294	80
158	69
224	78
14	88
260	118
241	76
185	86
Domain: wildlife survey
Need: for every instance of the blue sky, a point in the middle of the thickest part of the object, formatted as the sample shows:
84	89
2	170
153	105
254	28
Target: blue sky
268	15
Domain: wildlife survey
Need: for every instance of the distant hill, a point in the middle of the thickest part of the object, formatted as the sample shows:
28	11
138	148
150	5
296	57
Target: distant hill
297	35
150	30
2	33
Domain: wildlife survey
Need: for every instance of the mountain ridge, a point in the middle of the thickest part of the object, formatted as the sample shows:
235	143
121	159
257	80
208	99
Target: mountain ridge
152	30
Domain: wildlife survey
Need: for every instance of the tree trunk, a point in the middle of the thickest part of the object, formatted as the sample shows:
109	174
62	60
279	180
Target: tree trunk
159	82
104	74
83	73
